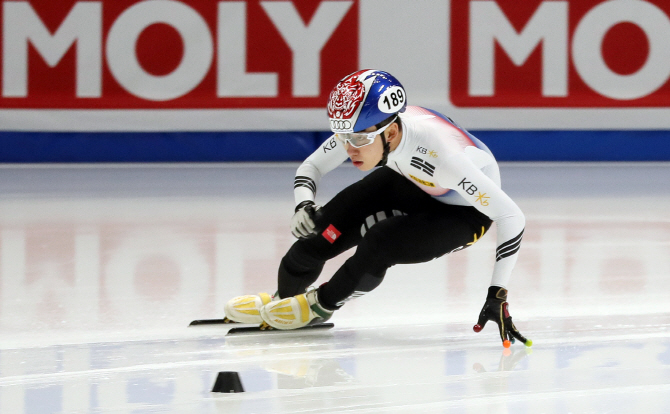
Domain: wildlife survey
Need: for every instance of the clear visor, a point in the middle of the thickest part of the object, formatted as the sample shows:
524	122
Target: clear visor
361	139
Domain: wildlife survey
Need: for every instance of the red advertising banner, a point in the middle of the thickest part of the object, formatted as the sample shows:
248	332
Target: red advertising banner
586	53
194	65
196	54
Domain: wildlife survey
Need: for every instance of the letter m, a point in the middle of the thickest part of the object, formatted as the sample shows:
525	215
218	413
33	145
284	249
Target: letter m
22	25
549	25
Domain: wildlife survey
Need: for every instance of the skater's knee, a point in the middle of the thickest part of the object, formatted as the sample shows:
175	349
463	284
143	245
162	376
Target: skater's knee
301	254
300	264
369	281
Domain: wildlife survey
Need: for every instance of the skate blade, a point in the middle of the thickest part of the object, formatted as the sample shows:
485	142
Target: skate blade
223	321
269	329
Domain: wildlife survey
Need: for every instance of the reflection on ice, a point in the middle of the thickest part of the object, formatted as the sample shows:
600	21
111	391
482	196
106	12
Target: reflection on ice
509	359
96	292
431	367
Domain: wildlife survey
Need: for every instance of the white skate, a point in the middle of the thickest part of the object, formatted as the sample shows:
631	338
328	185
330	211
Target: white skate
246	309
295	312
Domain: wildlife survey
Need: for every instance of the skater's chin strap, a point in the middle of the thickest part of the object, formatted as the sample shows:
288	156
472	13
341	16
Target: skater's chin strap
385	143
387	149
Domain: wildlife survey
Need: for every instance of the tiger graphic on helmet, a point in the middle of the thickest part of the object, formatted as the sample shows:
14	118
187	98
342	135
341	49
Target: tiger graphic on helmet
345	98
354	103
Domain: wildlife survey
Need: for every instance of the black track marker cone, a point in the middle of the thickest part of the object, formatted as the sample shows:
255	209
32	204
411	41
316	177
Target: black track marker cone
228	381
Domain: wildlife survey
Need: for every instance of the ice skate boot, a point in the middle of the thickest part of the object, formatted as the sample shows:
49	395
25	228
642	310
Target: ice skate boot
246	309
295	312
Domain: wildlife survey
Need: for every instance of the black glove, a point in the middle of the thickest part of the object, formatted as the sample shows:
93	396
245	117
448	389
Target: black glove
496	309
302	222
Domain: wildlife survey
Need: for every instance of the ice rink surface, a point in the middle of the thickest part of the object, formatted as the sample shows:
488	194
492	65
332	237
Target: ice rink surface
103	267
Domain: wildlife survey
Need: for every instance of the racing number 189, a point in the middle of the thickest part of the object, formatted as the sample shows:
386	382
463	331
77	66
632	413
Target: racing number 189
397	98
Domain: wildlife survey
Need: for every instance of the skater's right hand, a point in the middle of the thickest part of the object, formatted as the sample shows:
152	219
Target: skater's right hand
302	223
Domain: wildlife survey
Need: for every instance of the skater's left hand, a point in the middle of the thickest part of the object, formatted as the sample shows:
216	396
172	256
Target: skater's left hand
302	223
496	309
